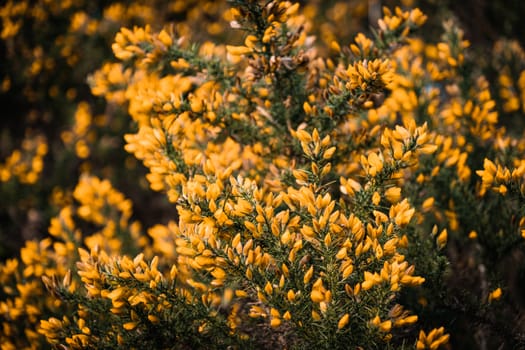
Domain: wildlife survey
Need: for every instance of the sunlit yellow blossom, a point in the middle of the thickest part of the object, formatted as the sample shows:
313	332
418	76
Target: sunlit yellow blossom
495	294
433	340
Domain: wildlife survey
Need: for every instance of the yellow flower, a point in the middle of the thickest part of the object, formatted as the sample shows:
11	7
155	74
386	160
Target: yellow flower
433	340
308	275
393	194
165	38
442	239
290	295
238	50
316	296
275	322
495	295
129	326
343	321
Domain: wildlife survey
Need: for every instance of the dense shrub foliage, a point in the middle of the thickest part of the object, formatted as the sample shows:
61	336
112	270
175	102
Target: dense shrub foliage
258	174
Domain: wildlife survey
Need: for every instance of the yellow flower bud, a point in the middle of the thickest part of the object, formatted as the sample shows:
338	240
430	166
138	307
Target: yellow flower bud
442	239
238	50
495	294
308	275
343	321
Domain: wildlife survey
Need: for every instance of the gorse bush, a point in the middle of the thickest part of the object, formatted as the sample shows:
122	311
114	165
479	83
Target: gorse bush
320	193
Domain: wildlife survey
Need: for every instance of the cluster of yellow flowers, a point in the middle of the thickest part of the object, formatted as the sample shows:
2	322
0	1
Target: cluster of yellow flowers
80	136
506	182
53	259
511	91
25	164
319	188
